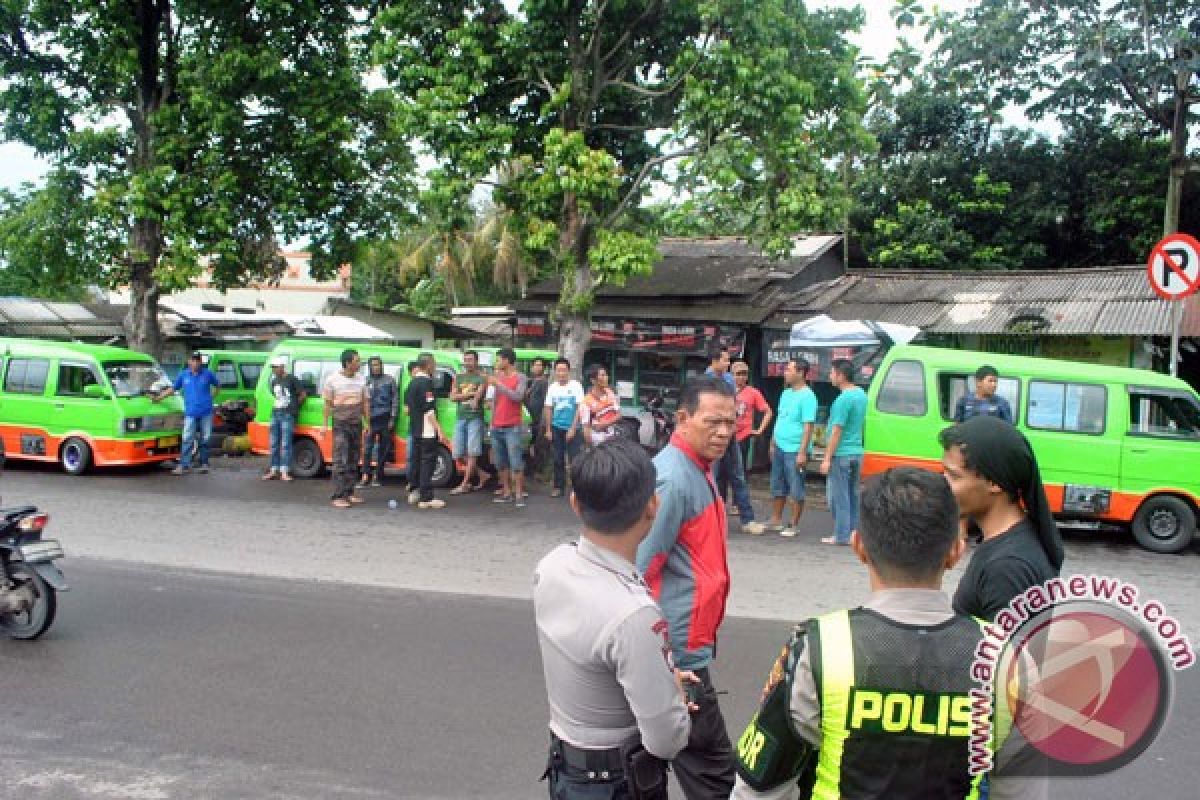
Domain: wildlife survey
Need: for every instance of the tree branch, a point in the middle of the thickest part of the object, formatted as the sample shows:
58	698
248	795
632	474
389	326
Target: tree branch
1139	100
605	126
651	8
635	189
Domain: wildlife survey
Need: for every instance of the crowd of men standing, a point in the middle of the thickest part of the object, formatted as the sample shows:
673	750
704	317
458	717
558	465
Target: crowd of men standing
628	616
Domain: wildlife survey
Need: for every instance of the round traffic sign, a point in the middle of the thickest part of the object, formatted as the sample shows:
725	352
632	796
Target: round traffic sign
1174	267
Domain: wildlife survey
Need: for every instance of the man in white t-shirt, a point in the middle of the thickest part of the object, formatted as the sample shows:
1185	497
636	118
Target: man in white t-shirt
564	404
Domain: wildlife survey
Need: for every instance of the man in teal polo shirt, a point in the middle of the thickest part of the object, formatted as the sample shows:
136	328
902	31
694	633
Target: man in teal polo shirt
844	452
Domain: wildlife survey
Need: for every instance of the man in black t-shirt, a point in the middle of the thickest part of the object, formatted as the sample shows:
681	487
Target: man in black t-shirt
421	403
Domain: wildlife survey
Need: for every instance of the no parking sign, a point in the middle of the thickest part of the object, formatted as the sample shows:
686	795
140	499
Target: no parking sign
1174	267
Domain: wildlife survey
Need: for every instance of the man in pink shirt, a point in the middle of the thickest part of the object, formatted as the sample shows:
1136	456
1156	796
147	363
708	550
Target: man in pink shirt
509	385
750	401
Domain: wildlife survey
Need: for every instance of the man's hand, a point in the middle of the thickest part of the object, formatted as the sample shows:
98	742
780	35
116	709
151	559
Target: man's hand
571	434
684	679
825	466
801	462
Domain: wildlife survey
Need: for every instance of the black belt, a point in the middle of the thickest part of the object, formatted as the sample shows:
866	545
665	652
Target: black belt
598	764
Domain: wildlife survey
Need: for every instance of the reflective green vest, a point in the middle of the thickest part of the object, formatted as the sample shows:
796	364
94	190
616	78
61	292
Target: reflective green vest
896	713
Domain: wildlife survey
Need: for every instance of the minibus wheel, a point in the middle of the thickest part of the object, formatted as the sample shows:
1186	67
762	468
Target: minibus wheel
75	456
307	461
1164	524
443	469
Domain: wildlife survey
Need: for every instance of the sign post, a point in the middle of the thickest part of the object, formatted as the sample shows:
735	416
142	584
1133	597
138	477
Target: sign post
1174	272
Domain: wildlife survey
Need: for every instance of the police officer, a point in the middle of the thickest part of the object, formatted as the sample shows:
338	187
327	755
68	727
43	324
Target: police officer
874	702
617	710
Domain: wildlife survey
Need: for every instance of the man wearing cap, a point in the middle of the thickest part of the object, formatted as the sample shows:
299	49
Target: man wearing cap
287	395
197	384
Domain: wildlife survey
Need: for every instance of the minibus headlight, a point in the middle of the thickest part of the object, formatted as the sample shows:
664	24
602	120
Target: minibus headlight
134	424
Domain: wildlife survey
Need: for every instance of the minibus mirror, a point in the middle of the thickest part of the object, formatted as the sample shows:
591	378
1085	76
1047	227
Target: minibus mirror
95	391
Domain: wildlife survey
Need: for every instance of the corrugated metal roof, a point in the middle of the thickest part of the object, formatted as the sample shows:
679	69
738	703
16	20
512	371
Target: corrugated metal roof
22	316
1100	301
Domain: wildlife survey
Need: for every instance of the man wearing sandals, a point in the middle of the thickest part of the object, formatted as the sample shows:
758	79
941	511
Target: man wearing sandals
468	391
346	403
287	397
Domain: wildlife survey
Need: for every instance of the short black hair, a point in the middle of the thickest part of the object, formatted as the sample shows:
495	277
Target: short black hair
594	370
612	482
715	351
908	522
801	366
348	355
845	367
426	360
471	353
508	354
689	396
538	360
561	360
986	371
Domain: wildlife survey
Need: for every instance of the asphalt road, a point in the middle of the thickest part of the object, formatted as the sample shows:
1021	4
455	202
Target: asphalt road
161	681
159	684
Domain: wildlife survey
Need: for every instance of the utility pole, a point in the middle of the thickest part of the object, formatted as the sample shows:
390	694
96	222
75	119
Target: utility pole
1187	56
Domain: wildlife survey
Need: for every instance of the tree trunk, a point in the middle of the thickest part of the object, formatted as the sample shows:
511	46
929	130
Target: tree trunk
574	309
141	323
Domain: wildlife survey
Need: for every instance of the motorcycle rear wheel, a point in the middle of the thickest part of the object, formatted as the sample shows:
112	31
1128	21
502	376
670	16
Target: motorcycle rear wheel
34	622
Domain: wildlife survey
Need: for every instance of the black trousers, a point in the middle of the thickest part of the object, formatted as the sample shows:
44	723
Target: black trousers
705	768
378	448
424	459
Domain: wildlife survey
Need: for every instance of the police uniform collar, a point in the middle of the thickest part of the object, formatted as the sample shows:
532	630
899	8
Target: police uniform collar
606	558
916	600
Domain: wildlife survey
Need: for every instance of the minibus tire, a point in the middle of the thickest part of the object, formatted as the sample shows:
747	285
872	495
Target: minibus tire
307	461
1164	524
75	455
444	471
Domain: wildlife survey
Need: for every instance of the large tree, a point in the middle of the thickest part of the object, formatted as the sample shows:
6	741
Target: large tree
198	129
745	103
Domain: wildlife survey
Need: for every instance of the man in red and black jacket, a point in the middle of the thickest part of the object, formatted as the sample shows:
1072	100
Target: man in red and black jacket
684	562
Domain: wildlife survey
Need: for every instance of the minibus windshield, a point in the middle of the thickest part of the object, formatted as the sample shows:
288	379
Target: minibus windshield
133	378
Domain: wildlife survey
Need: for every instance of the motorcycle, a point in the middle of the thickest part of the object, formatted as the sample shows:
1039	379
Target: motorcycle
651	427
29	579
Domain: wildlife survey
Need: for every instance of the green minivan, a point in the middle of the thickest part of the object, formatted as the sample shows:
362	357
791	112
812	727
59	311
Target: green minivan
1115	445
312	361
85	405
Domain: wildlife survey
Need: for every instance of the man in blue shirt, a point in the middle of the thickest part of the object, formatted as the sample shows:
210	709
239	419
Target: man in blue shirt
197	384
985	402
790	446
844	452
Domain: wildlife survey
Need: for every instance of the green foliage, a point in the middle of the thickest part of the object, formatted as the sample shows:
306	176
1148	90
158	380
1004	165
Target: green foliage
203	127
592	100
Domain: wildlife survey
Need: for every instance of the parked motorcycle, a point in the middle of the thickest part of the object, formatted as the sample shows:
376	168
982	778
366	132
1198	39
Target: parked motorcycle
29	578
651	427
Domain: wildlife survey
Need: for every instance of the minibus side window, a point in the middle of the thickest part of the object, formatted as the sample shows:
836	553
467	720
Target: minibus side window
903	390
26	376
1070	407
250	373
308	373
73	378
1167	415
226	375
954	385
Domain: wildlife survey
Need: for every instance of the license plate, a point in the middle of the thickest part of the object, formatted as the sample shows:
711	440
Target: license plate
168	441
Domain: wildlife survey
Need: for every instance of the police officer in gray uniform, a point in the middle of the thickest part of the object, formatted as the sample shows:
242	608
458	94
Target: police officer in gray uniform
617	709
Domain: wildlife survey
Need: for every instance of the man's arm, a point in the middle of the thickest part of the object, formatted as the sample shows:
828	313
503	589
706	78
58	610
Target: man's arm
960	409
1004	409
517	394
831	446
654	550
805	440
767	413
637	651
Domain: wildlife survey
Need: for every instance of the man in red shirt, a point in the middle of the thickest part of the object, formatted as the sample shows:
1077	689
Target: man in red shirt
509	385
750	401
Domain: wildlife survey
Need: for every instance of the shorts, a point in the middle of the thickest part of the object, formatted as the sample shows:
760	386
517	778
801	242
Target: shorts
506	448
468	437
787	480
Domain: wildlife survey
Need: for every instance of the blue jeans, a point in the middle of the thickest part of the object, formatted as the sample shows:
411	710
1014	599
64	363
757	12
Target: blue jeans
190	426
844	474
562	450
506	448
282	426
787	480
731	473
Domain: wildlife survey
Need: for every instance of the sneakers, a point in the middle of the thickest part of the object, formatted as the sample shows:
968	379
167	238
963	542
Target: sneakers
285	476
202	469
733	511
435	503
787	533
356	499
340	502
365	481
754	528
179	471
556	492
413	497
502	498
375	484
833	540
270	475
521	501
